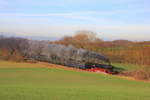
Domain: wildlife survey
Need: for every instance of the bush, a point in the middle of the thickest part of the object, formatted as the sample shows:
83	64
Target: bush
16	56
4	54
143	73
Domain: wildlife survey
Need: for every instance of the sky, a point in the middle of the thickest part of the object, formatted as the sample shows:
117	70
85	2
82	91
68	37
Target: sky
109	19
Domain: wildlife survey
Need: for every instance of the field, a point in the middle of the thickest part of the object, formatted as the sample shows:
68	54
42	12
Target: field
24	81
128	67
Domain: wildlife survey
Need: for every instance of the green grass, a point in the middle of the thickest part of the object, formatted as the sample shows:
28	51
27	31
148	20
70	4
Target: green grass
128	67
32	82
11	64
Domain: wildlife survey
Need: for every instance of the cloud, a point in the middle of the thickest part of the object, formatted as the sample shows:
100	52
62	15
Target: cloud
65	15
113	18
109	17
61	4
85	17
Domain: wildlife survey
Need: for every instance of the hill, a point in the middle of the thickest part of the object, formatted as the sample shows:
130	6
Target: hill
26	81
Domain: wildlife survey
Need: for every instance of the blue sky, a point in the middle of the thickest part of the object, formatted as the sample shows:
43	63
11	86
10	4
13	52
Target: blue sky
110	19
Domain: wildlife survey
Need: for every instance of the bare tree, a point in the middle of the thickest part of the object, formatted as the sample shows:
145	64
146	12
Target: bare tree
14	44
54	53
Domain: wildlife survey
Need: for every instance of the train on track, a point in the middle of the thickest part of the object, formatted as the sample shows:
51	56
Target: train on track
100	68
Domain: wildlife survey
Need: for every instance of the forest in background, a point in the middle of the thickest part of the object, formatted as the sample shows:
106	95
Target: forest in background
78	48
119	51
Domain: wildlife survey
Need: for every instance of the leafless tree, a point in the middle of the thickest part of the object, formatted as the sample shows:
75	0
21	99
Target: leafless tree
54	53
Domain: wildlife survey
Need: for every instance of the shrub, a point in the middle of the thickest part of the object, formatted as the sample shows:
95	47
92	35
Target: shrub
4	54
143	73
16	56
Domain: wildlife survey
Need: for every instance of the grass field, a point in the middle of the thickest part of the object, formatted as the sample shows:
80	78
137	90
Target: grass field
128	67
22	81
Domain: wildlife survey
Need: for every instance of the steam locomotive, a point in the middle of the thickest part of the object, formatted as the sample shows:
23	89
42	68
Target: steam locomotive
101	68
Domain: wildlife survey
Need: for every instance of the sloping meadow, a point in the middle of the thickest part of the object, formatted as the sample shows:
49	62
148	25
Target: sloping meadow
37	83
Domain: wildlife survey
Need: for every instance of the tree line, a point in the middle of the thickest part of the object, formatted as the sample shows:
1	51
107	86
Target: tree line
19	49
119	51
76	50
